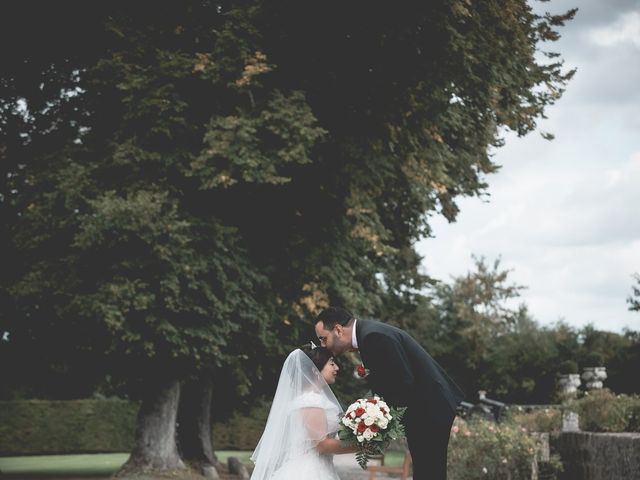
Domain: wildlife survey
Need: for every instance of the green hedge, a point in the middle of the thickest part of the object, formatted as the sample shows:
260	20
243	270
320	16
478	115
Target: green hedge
40	427
243	430
32	427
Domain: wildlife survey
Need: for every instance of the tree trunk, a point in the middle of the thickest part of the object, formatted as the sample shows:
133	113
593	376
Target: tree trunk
194	427
155	448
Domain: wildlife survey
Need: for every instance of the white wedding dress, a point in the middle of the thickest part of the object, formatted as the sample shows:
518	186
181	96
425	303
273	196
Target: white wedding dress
304	412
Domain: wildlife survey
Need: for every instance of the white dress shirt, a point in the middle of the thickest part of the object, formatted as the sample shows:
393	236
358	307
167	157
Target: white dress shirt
354	339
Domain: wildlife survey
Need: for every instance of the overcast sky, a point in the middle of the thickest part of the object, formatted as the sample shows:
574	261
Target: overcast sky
564	215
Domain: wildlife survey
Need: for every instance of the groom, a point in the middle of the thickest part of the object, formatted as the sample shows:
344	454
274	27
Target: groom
404	374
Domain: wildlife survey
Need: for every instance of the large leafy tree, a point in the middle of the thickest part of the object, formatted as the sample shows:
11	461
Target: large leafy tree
221	170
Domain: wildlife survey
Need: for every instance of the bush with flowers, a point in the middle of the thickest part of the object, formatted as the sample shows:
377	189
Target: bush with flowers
604	411
480	449
544	419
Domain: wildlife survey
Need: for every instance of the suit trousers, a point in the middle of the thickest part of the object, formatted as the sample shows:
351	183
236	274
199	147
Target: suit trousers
428	441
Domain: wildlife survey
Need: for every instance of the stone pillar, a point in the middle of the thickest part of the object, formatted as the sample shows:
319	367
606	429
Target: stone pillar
570	421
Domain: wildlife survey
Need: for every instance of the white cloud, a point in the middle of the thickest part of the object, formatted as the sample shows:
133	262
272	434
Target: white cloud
565	215
570	235
625	30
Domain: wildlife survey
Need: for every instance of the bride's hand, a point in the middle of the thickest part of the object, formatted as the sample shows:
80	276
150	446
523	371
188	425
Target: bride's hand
370	448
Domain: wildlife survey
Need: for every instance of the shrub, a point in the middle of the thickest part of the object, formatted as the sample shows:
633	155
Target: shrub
480	449
604	411
594	359
547	419
567	367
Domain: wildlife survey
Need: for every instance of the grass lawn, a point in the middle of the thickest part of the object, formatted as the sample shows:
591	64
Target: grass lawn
89	465
393	458
105	464
63	465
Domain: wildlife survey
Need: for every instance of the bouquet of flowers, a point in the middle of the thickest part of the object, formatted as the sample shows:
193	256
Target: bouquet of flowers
370	424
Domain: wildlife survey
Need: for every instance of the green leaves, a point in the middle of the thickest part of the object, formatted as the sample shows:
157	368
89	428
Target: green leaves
255	146
216	169
149	216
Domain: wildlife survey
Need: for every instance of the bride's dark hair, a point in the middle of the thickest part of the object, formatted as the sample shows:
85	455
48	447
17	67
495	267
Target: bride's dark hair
318	355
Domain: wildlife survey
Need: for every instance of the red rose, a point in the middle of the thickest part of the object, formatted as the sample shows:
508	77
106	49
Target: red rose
382	409
374	428
372	400
361	370
360	411
361	427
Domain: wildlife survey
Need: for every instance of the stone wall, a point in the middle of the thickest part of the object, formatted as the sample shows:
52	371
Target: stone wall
598	456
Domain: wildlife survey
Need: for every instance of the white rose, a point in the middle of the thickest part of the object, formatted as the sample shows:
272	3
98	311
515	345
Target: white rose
368	434
360	438
369	421
383	424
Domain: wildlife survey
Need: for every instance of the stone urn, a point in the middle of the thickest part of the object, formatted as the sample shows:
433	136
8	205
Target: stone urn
568	384
593	377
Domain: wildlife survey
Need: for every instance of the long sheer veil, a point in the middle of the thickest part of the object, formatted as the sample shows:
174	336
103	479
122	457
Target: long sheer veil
301	390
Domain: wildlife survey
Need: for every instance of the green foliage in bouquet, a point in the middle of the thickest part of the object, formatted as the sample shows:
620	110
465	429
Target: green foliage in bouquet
377	442
378	445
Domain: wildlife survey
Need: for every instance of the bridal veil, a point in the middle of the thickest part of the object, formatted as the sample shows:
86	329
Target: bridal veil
304	412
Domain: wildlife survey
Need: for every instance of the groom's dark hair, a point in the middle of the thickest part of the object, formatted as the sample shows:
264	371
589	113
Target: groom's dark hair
333	316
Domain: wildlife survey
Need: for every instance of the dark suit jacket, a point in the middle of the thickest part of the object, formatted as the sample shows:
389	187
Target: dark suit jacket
402	372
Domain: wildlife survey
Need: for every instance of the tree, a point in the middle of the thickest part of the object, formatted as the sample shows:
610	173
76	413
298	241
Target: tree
473	328
620	354
465	319
524	362
118	257
236	166
634	298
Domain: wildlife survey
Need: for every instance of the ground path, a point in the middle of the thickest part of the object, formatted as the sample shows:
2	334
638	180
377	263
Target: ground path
348	469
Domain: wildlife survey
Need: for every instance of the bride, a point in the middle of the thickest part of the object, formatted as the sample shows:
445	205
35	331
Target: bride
299	440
